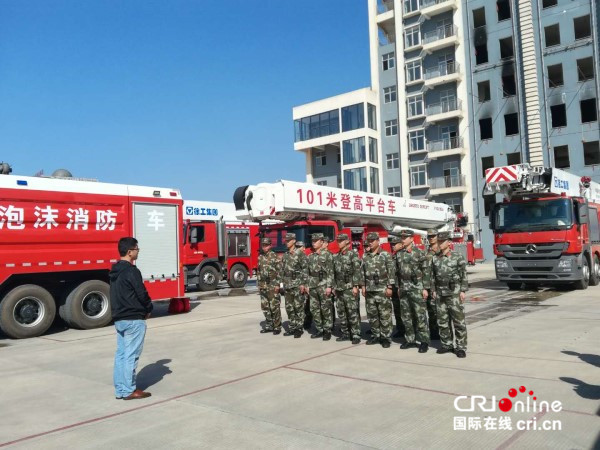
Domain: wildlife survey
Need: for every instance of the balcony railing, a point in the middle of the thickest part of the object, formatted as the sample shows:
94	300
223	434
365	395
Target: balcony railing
414	111
443	107
439	33
445	144
428	3
443	69
449	181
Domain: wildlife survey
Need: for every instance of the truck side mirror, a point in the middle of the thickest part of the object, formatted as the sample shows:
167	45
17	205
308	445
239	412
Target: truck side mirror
193	235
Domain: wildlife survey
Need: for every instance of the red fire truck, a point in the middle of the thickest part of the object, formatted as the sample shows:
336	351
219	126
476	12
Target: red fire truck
224	247
59	239
546	230
304	209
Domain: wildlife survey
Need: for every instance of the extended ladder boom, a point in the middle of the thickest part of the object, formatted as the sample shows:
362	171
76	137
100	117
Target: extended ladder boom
289	200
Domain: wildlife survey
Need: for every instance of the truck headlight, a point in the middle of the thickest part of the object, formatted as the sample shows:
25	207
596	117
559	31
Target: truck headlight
501	264
566	265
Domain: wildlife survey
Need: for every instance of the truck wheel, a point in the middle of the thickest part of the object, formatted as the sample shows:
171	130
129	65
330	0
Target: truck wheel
514	286
87	306
585	281
595	272
27	311
238	276
208	278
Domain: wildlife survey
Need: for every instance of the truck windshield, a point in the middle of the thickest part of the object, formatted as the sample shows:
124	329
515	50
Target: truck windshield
538	215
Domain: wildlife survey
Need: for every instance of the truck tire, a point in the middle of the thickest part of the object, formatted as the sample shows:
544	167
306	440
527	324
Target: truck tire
595	272
87	306
513	285
27	311
585	281
238	276
208	279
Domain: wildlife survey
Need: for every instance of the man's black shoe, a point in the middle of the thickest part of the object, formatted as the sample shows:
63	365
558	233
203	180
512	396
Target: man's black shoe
266	330
385	344
288	333
356	341
406	345
316	335
326	335
276	331
373	341
342	338
461	354
298	333
443	350
423	347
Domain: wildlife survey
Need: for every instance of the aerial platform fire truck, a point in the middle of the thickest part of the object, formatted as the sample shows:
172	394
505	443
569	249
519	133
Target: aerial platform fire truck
546	230
304	209
223	248
59	239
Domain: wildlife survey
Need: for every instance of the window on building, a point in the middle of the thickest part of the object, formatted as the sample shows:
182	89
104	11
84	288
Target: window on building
322	183
478	17
356	179
374	180
394	191
372	116
503	8
488	203
416	140
484	93
320	158
481	54
555	76
412	37
485	129
418	175
487	162
552	34
585	69
354	150
389	94
353	117
413	71
391	127
583	28
373	154
509	86
588	110
506	48
591	153
549	3
511	124
392	161
415	105
319	125
559	115
410	6
455	203
561	157
513	158
388	61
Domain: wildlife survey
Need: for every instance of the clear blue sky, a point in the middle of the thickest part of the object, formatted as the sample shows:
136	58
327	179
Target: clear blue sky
193	94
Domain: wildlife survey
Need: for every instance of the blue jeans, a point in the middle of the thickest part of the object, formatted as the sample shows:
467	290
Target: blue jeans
130	342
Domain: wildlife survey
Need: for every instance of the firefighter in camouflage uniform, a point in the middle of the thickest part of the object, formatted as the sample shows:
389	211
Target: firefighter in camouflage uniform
268	278
294	265
396	245
320	284
450	286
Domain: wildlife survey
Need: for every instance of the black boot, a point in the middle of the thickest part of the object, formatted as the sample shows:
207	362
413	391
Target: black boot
385	343
266	330
423	347
442	350
276	332
342	338
289	333
356	341
461	353
326	335
298	334
408	345
373	341
318	334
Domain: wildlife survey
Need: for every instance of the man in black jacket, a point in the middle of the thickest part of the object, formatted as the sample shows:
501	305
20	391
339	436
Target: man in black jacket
131	306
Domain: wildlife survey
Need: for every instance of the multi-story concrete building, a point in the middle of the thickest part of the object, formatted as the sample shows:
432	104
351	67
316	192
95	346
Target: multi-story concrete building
460	86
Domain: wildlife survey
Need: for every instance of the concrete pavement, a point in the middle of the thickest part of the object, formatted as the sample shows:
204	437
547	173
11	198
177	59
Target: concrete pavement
216	382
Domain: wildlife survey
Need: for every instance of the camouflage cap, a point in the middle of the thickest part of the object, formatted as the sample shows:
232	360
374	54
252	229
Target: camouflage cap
316	236
407	233
392	239
372	236
342	237
325	238
443	236
300	244
432	233
265	241
290	237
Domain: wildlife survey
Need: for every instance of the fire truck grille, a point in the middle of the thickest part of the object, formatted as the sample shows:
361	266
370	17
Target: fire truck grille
551	250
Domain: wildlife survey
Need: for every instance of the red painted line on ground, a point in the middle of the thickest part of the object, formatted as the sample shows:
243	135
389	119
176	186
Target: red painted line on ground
368	380
511	440
176	397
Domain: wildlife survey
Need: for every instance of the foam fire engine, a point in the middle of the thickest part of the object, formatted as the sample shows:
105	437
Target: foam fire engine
546	230
223	248
304	209
59	239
